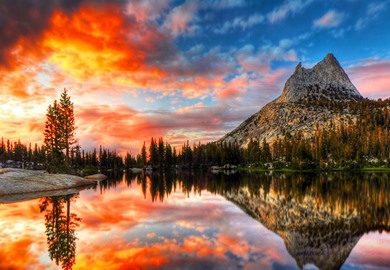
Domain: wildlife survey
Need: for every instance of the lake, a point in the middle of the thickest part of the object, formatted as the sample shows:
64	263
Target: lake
204	221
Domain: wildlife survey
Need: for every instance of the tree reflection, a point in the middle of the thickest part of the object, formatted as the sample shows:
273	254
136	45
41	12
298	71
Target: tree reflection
61	227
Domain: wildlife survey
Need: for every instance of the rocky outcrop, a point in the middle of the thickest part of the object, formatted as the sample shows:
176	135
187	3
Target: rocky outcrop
299	106
325	81
17	181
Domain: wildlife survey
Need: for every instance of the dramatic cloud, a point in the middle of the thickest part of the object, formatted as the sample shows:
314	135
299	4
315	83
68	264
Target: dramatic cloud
21	30
330	19
189	70
24	24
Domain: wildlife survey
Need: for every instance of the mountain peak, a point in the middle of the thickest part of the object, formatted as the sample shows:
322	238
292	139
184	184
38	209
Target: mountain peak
327	80
330	57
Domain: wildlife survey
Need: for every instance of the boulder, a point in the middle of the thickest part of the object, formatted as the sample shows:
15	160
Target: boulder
17	181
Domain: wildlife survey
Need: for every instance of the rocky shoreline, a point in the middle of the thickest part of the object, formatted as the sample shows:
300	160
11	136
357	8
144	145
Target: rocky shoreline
19	181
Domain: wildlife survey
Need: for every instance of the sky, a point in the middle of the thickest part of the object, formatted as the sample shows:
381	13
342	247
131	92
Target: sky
181	70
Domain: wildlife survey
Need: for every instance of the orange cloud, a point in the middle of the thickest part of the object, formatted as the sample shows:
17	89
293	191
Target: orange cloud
93	41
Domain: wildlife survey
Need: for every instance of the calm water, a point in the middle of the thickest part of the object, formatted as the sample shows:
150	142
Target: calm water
187	221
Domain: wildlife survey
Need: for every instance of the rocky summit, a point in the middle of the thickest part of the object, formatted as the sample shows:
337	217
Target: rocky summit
325	81
300	107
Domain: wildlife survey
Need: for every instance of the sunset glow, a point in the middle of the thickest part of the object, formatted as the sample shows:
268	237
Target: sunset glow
184	70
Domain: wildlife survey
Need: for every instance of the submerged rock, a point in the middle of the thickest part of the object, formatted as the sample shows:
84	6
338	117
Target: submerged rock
21	197
96	177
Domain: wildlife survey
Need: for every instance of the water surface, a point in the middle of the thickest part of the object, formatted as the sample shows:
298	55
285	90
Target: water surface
205	221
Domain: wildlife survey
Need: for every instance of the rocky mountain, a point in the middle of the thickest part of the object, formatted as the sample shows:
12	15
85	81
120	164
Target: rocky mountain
300	106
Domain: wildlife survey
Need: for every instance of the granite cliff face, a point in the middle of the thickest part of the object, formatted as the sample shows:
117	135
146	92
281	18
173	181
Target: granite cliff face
297	108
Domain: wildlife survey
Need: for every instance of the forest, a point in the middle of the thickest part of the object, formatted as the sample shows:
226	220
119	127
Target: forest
353	145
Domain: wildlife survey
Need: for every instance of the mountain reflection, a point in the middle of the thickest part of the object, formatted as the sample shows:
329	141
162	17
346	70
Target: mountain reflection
319	217
60	230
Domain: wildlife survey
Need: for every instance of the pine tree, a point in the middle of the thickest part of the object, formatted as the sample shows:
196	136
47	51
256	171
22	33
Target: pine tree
67	127
168	156
143	155
52	133
266	151
153	153
161	152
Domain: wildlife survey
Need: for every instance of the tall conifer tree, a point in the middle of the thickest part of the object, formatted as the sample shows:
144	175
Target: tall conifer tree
67	122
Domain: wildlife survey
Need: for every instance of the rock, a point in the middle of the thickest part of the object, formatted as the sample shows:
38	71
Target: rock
16	181
96	177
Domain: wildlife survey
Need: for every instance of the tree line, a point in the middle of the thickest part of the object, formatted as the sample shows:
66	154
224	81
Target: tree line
350	145
364	142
